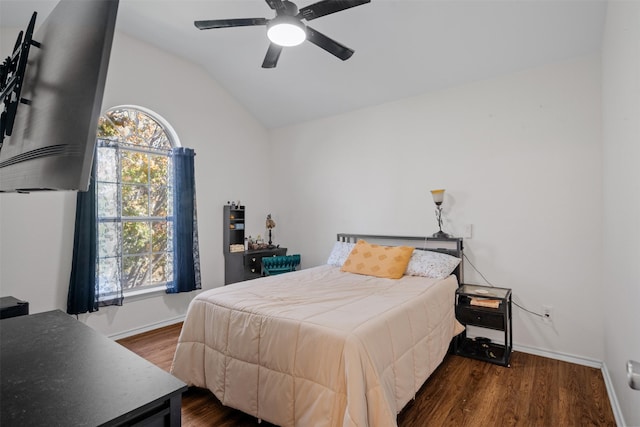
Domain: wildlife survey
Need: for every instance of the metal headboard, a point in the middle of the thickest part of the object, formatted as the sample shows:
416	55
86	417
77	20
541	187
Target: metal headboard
449	245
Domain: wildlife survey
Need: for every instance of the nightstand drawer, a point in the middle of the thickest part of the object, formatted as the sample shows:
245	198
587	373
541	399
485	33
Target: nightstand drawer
469	316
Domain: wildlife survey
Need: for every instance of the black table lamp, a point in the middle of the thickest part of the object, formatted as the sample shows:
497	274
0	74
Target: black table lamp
270	223
438	198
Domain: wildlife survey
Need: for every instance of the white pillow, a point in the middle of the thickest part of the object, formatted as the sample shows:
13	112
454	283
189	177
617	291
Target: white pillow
431	264
340	253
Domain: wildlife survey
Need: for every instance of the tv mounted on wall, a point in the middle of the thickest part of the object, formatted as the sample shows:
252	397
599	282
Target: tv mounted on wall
50	119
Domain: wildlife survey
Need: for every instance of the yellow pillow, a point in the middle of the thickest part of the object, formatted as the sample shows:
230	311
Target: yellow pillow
380	261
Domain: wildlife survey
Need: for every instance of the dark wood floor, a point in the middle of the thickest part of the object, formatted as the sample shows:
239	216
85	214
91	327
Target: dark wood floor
534	391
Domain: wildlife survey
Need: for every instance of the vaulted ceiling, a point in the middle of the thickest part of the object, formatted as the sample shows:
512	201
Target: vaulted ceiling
402	47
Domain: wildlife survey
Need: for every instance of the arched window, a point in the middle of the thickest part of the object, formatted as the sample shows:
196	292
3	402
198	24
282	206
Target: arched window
134	202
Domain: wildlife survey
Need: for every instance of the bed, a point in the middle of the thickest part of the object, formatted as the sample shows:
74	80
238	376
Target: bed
321	346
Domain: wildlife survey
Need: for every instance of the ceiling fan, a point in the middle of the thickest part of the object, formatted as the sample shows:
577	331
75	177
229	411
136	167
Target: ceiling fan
287	29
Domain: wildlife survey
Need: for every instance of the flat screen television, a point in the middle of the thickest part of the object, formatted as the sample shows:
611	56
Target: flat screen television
53	136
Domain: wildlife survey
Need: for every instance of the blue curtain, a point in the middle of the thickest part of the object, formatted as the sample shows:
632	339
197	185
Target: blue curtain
84	292
186	258
81	297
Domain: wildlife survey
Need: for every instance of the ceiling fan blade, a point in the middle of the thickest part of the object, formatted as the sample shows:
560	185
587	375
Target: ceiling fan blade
326	7
330	45
271	58
226	23
276	5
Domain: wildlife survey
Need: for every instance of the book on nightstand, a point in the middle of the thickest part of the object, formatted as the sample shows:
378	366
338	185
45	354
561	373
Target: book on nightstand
484	302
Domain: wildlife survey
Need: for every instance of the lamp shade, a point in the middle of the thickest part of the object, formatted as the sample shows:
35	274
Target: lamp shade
286	30
438	196
270	223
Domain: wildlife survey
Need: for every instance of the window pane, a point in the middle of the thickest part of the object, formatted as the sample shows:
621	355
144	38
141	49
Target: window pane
160	271
135	200
136	237
107	129
107	200
146	127
160	237
155	133
108	244
160	140
140	128
119	117
129	122
108	275
159	201
135	167
107	170
135	271
159	169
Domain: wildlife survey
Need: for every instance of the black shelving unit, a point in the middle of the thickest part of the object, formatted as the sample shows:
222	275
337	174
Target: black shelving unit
233	234
496	318
242	264
233	226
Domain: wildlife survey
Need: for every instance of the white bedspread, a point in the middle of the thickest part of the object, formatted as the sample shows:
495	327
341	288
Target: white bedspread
318	347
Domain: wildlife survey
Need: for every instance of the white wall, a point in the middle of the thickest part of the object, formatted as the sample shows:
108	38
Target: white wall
519	157
621	177
36	230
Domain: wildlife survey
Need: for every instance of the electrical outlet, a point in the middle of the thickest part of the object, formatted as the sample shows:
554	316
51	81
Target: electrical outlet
547	314
468	230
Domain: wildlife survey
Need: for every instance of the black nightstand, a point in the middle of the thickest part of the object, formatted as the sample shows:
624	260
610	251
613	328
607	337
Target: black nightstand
484	307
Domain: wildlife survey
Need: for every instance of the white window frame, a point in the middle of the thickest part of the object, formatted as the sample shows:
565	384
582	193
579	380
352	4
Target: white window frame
174	140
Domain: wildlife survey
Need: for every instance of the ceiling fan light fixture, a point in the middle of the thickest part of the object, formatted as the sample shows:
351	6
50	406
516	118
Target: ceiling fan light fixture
286	31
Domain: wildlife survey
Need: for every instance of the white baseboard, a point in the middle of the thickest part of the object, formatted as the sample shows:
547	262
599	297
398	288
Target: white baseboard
578	360
593	363
147	328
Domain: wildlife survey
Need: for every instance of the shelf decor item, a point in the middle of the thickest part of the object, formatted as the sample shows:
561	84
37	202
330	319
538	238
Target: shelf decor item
270	224
438	198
